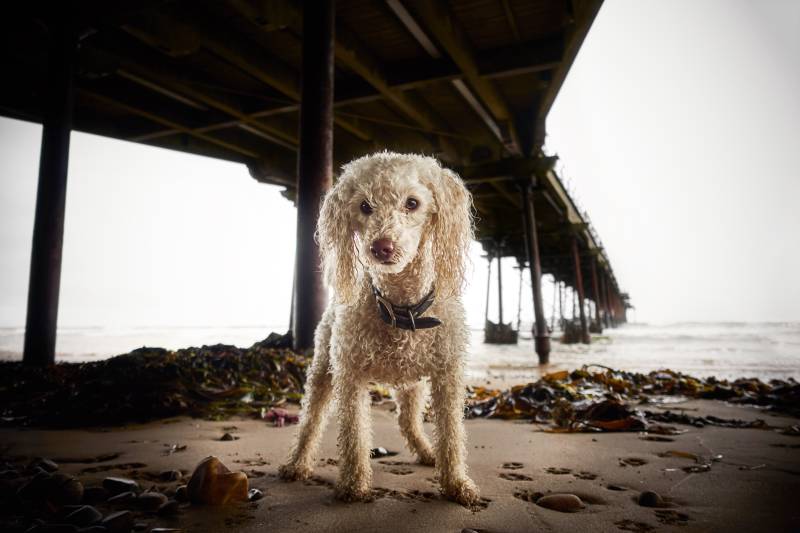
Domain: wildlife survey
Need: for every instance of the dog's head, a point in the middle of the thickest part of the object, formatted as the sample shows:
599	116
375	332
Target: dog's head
384	210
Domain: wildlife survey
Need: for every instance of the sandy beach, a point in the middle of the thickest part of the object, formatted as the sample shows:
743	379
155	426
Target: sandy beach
751	484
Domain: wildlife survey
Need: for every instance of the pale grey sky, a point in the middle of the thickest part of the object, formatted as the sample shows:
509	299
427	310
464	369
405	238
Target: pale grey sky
678	129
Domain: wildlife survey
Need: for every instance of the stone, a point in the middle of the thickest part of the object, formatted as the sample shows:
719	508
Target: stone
564	503
122	497
117	485
254	494
119	522
181	494
169	508
212	483
35	489
140	526
85	515
94	495
53	528
93	529
150	501
170	475
650	498
64	489
227	437
45	464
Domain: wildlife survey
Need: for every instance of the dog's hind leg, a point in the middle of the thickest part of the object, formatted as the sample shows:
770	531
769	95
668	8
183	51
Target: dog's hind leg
314	407
411	400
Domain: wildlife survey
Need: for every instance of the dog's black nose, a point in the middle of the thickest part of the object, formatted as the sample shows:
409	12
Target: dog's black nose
382	249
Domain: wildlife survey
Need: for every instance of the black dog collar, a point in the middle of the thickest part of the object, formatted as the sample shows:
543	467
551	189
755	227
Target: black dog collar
406	317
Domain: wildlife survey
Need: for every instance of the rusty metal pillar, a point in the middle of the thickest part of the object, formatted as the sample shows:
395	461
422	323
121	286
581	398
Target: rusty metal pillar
585	338
314	165
488	290
541	336
596	292
48	227
499	288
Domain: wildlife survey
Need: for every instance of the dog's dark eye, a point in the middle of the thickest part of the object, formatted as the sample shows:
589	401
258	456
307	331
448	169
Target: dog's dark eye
412	204
366	208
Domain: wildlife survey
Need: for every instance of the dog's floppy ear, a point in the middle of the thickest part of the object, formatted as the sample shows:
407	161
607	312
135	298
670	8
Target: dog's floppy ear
337	245
452	231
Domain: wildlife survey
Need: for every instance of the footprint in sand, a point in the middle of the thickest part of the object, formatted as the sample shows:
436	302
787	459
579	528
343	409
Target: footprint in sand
671	518
632	461
557	471
510	476
632	525
513	466
401	471
395	463
585	475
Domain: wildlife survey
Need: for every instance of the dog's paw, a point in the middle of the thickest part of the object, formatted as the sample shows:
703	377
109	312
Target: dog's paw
426	458
291	472
349	493
463	491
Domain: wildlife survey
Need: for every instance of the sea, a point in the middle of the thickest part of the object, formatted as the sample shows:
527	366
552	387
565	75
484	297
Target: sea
726	350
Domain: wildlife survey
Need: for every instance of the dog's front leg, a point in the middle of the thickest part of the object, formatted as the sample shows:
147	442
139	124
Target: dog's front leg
355	472
447	396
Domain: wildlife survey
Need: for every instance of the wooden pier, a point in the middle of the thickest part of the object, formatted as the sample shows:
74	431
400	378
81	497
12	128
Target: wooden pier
293	96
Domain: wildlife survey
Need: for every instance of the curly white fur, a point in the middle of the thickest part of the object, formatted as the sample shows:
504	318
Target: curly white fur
353	346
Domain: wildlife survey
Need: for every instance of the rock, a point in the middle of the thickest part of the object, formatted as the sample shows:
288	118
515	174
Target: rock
45	464
150	501
254	494
122	497
564	503
117	485
93	529
170	475
94	495
213	484
53	528
169	508
35	489
140	526
181	494
64	489
165	530
85	515
9	474
650	498
380	451
227	437
119	522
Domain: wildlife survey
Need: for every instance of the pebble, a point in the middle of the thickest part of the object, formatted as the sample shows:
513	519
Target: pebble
169	508
181	494
53	528
171	475
93	529
150	501
122	497
9	474
119	522
117	485
564	503
35	488
380	451
95	495
212	483
227	437
254	494
85	515
650	498
45	464
140	526
165	530
64	490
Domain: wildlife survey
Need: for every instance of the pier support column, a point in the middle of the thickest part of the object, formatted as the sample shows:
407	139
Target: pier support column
604	297
541	336
585	338
499	288
488	291
597	297
314	165
51	195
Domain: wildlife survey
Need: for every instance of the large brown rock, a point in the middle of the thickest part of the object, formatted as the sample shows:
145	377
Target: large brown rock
212	483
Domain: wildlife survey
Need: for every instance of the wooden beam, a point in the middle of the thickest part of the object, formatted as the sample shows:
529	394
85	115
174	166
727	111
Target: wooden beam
438	20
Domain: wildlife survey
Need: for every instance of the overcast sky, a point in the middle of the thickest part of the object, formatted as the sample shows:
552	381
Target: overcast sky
678	129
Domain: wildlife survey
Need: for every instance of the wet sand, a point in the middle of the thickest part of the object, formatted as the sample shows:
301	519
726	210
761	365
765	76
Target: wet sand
753	487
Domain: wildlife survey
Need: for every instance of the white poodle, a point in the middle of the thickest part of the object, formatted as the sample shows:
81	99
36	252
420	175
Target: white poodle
393	235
